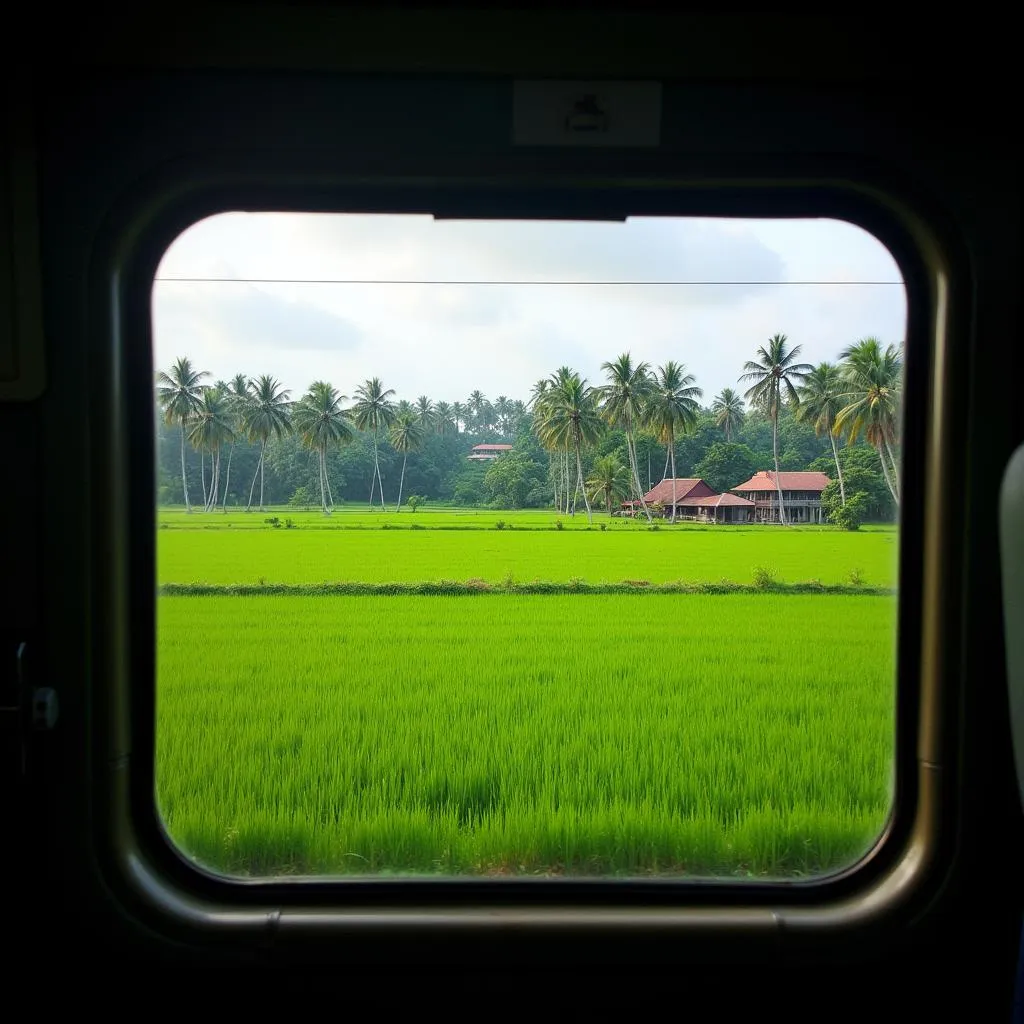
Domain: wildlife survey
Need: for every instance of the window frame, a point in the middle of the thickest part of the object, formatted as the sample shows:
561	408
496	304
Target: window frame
894	880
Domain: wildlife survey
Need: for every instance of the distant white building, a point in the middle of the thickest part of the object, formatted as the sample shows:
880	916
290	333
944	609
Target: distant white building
486	452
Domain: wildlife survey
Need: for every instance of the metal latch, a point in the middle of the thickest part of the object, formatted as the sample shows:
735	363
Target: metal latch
32	708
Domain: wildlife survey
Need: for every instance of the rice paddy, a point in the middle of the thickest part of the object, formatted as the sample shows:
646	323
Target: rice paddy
215	553
678	735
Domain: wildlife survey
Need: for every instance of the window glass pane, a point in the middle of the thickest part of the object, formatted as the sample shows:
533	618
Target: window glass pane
470	555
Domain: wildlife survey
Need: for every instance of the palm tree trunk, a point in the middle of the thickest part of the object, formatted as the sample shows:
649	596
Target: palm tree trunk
327	481
184	475
202	474
376	470
579	482
775	452
885	473
227	480
895	471
401	483
672	449
262	450
668	456
839	469
323	476
214	482
252	489
636	473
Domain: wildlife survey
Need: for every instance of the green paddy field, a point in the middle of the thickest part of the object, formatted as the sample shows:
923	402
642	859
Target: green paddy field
684	735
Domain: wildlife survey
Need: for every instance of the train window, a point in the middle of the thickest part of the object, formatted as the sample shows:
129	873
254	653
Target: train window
521	549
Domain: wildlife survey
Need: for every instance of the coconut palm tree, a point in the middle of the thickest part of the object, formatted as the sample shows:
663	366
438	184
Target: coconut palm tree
728	411
672	409
558	453
374	411
475	405
624	403
426	413
487	418
517	413
459	415
559	476
179	393
444	418
872	389
820	403
774	376
569	418
502	408
238	401
610	478
267	414
321	422
211	429
405	435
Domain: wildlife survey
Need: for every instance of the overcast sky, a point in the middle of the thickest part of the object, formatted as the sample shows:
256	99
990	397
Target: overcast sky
444	340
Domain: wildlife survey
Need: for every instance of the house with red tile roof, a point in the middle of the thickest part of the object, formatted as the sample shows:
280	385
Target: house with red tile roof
801	496
695	500
485	452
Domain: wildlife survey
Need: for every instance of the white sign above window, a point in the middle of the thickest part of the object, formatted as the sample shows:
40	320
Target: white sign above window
556	113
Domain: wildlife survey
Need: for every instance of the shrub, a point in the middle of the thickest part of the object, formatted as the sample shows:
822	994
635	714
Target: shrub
654	527
415	500
850	515
765	577
856	578
604	526
559	525
289	524
274	522
301	498
500	524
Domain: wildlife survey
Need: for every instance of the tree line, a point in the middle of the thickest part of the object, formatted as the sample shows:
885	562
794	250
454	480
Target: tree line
571	440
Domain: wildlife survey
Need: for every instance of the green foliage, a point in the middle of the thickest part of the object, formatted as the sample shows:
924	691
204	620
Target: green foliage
726	465
468	487
512	478
302	498
415	501
766	577
850	515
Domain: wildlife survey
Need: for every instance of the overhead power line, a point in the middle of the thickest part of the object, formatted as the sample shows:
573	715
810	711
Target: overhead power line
602	284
